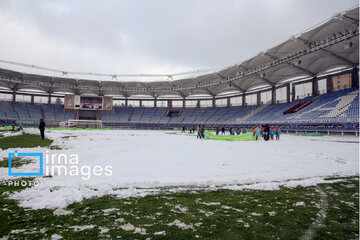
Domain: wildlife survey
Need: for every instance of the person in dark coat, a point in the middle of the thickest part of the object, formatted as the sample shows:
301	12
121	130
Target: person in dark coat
222	131
42	128
217	130
266	133
202	132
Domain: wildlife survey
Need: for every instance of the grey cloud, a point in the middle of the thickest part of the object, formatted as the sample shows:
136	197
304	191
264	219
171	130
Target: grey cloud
142	35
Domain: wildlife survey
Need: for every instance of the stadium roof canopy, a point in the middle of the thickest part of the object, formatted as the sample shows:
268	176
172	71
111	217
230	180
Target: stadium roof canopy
330	45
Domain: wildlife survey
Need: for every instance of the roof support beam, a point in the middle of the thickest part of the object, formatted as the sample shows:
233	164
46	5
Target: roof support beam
51	88
331	54
232	83
339	57
292	65
15	86
237	87
349	20
267	81
182	94
220	75
101	92
125	94
77	87
262	78
210	92
122	92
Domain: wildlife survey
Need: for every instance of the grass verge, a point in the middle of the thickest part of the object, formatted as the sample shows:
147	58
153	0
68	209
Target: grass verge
24	141
223	214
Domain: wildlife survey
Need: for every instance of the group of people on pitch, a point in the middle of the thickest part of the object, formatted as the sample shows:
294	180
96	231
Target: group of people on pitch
200	132
14	125
267	132
237	131
20	127
191	130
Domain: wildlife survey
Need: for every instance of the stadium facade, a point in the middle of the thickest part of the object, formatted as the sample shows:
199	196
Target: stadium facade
264	89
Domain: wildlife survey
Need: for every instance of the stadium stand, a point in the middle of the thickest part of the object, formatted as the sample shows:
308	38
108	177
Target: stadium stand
21	111
8	111
159	114
335	107
34	111
49	112
60	115
125	113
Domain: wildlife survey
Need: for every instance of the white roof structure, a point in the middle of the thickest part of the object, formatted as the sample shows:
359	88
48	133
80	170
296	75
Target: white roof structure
332	44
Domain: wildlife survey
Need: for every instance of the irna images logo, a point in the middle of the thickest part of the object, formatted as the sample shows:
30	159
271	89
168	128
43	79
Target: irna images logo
62	164
17	154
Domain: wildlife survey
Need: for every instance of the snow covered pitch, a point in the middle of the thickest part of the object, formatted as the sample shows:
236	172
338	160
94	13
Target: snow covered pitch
142	162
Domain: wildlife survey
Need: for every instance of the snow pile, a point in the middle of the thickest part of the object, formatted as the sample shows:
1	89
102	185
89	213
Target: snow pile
144	161
181	225
82	228
11	133
161	233
62	212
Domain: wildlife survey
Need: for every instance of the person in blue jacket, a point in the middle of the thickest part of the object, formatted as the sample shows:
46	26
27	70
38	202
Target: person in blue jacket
202	131
198	132
278	133
272	133
244	130
257	133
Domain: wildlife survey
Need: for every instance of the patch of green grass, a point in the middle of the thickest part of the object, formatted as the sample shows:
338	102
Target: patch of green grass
342	221
313	134
223	214
55	147
67	137
242	137
24	141
15	162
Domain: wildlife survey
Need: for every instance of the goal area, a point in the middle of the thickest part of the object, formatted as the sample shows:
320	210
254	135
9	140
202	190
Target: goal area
84	123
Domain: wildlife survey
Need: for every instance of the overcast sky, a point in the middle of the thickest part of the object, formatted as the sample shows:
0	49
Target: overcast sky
146	36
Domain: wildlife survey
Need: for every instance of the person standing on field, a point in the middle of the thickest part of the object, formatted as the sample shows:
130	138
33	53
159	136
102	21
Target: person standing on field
257	133
42	128
278	133
202	132
266	133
